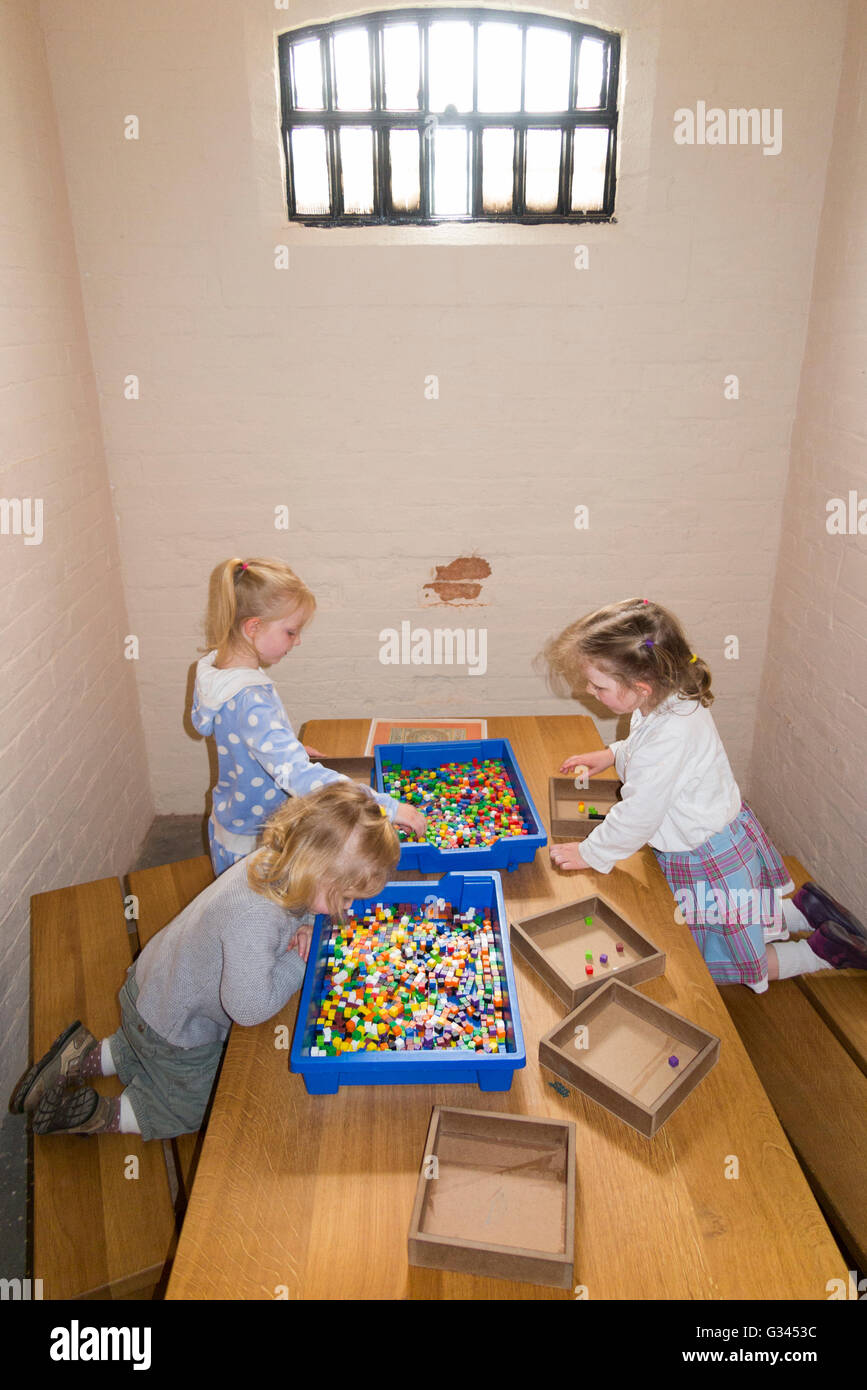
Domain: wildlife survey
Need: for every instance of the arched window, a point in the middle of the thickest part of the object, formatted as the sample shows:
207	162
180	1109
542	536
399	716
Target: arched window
430	115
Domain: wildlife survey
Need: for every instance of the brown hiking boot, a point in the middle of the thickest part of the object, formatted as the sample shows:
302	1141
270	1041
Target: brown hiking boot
62	1111
61	1061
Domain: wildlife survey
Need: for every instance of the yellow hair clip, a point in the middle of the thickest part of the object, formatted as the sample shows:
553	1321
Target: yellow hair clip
693	658
382	808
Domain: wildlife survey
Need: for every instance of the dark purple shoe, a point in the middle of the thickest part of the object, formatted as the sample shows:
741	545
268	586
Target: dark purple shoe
838	947
818	907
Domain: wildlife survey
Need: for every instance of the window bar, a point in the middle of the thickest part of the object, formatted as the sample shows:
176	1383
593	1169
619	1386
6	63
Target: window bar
426	155
610	172
520	183
381	201
564	204
290	174
612	71
335	173
474	144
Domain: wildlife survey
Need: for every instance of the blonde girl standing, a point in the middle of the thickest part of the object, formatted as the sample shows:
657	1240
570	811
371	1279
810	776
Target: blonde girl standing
258	613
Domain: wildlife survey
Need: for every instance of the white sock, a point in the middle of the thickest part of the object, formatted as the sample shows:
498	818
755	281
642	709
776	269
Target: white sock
128	1122
797	958
106	1061
760	988
793	917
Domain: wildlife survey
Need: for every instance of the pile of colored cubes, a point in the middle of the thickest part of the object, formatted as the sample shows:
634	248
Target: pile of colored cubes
396	980
467	805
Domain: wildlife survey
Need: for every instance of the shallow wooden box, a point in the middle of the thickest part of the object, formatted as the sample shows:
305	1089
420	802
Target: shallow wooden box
359	769
554	944
624	1065
502	1202
563	798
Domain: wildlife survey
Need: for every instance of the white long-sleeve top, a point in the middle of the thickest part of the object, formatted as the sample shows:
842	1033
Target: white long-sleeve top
678	788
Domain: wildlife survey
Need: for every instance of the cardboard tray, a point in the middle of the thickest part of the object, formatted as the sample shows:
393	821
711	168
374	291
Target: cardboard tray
621	1061
359	769
490	1071
496	1196
507	852
563	797
555	943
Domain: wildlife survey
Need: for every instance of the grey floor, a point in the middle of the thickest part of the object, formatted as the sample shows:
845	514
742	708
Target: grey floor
169	838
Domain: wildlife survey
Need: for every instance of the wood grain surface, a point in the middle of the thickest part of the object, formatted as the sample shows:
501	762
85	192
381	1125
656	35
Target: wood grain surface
96	1230
311	1197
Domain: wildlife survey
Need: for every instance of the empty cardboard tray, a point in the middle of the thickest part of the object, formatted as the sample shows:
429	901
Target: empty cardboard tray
564	799
615	1048
556	943
496	1196
358	769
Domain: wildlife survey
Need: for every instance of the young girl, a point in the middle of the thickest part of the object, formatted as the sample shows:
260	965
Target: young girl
679	796
257	616
236	953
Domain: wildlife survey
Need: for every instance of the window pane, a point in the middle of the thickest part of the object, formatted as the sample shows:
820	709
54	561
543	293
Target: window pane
352	70
451	193
498	151
499	67
308	76
549	53
589	155
591	70
404	151
543	170
451	65
356	160
402	57
310	171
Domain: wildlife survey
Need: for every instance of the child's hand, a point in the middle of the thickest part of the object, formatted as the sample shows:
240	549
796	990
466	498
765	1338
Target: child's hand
301	942
568	856
313	753
594	762
411	819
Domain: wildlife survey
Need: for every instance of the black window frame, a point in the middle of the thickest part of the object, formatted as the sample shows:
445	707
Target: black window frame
380	120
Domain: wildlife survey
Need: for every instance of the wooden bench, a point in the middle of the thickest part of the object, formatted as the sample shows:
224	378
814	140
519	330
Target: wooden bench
98	1232
103	1222
807	1039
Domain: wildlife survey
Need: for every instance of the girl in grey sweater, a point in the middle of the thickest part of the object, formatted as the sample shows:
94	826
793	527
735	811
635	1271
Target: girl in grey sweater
237	954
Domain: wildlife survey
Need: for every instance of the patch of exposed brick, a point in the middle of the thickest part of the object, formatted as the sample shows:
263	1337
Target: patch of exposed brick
461	579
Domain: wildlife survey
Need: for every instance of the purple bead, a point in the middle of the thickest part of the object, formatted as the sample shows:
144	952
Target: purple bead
674	1061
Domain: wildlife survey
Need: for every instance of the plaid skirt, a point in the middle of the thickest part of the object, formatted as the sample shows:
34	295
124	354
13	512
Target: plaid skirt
728	891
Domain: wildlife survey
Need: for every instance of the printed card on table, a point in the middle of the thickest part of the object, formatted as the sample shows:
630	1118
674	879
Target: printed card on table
424	731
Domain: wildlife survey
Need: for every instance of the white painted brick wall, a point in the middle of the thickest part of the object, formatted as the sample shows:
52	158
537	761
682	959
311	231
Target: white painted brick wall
557	387
76	800
809	763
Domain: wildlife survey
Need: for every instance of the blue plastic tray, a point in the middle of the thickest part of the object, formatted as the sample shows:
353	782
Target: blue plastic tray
491	1071
506	853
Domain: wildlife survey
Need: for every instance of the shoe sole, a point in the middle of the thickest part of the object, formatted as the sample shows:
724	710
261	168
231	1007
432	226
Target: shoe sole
58	1100
16	1101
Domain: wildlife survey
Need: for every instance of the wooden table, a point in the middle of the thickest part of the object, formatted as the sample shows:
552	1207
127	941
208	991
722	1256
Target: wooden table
310	1197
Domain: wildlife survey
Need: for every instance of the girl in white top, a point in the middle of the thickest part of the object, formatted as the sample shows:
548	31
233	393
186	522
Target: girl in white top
680	797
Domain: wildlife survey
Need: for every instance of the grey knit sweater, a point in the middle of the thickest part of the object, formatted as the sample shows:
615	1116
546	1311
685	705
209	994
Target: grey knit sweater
223	959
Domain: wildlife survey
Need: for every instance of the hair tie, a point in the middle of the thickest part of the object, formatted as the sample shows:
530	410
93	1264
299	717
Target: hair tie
244	566
644	600
693	658
382	808
648	642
